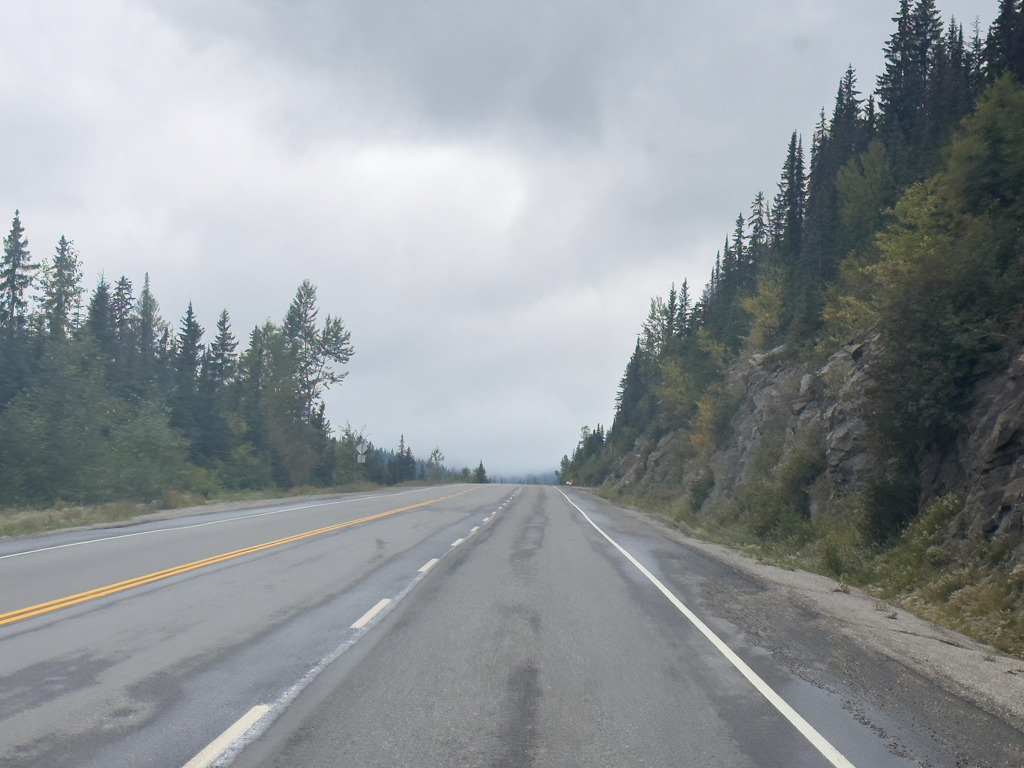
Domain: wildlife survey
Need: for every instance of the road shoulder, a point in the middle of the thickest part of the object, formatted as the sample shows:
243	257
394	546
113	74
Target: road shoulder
956	663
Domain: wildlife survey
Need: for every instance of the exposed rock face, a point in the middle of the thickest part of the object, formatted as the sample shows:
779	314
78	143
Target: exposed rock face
777	397
990	461
847	379
780	399
783	400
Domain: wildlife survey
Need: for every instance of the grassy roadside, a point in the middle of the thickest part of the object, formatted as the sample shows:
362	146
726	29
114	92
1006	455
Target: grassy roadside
968	591
25	522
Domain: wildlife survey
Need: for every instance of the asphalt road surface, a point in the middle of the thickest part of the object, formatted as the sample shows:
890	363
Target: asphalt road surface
455	626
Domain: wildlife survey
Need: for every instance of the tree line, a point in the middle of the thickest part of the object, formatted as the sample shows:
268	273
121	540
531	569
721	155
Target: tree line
102	399
903	215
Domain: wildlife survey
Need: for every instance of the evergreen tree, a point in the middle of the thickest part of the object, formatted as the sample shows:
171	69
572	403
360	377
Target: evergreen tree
1004	50
100	321
187	360
792	201
312	350
62	291
123	374
222	357
480	474
671	315
402	468
836	144
16	274
759	230
682	323
213	433
153	357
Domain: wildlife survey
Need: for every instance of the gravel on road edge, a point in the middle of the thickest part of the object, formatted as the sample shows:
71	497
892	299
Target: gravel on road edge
956	663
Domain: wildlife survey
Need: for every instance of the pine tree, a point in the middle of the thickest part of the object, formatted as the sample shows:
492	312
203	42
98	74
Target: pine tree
189	348
759	230
122	305
123	375
222	359
149	329
314	350
219	362
16	274
949	97
671	315
739	243
792	201
894	85
682	323
187	360
100	321
1004	50
62	291
976	65
836	143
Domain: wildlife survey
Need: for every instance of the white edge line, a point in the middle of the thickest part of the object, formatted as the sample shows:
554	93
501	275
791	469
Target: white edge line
367	617
818	741
457	542
218	746
429	564
203	525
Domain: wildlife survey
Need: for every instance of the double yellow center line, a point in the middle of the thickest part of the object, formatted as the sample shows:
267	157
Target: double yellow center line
121	586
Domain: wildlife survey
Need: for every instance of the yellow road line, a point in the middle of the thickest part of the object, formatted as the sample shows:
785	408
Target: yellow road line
121	586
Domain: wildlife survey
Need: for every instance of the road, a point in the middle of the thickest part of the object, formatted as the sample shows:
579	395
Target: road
513	627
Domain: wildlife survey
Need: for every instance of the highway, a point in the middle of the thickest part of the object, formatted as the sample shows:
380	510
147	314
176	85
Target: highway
453	626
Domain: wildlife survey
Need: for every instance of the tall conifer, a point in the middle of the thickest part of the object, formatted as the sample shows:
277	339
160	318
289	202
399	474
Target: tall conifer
16	274
62	291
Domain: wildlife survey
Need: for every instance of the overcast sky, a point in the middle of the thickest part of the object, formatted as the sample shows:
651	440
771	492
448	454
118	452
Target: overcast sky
487	193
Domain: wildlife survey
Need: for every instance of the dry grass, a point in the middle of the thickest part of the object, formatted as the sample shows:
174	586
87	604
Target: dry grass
26	522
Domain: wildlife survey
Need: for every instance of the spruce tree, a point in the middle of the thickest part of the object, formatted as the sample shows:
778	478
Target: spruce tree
16	274
222	357
187	360
682	323
100	321
152	362
122	305
62	291
1004	50
792	201
759	230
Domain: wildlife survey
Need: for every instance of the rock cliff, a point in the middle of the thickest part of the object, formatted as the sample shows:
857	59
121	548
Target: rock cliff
786	406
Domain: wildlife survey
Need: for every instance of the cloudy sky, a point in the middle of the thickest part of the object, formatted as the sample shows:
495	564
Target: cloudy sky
487	193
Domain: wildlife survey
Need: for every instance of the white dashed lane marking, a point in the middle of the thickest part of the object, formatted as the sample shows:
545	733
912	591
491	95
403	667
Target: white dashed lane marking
367	617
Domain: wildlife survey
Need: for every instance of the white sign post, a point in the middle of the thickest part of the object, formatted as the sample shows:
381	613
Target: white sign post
361	450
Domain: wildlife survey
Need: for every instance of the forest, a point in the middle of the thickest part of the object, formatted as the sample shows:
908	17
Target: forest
101	399
903	215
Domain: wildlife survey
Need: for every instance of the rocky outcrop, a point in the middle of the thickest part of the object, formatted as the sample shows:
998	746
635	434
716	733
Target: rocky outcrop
789	403
989	462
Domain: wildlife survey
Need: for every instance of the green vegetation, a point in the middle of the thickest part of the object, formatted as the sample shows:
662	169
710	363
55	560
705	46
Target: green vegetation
104	404
908	224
